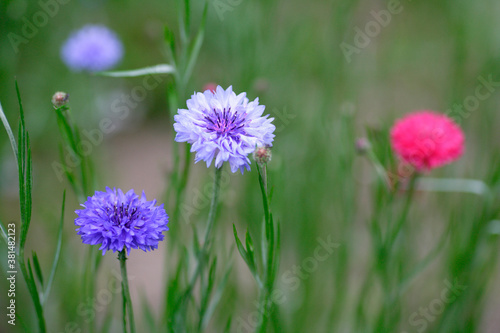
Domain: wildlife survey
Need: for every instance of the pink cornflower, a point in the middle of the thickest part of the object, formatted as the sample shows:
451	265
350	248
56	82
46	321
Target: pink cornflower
210	86
427	140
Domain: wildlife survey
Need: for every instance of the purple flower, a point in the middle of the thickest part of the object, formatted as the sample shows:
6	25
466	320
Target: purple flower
224	125
117	221
92	48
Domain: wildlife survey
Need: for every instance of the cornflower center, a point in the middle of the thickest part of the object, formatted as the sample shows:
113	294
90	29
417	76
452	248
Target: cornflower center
122	214
225	123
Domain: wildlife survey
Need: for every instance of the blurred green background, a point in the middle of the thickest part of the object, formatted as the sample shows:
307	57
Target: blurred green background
431	55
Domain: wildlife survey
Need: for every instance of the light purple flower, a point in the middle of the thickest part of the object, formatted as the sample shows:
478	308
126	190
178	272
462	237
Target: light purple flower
117	221
224	125
92	48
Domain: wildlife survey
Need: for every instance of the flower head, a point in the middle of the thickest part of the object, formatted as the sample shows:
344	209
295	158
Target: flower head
427	140
117	221
225	126
92	48
59	99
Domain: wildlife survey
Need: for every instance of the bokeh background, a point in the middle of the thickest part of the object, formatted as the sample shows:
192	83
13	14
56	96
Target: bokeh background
431	55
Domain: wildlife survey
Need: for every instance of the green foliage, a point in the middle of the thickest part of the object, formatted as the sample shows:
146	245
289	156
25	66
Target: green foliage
397	243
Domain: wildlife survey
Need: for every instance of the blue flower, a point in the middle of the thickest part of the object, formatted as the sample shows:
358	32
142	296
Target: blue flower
92	48
117	221
224	125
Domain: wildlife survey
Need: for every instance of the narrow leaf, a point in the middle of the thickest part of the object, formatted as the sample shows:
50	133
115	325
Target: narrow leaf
55	262
216	298
3	232
170	40
250	249
244	254
148	315
9	132
195	49
158	69
38	269
187	11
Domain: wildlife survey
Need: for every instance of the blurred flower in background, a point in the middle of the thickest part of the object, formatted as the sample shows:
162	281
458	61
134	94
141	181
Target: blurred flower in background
210	86
224	124
427	140
117	221
92	48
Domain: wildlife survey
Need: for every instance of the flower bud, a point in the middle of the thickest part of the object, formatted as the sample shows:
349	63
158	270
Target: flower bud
362	145
262	155
59	99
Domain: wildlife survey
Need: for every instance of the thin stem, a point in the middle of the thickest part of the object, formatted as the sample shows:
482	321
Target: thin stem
409	198
126	293
213	207
269	255
89	281
202	257
181	186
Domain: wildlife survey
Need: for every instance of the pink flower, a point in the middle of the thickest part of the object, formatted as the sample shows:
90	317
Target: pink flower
427	140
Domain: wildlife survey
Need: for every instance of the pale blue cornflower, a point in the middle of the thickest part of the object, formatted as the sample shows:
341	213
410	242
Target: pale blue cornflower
224	126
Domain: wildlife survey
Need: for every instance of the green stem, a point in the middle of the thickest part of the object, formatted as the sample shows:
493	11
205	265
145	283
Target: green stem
89	280
213	207
270	255
126	293
30	283
409	198
181	186
387	261
202	255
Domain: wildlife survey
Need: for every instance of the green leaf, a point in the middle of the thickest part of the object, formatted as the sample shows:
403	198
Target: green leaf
265	200
3	232
196	243
216	297
249	247
108	320
454	185
244	254
170	40
9	132
55	262
148	315
276	256
25	179
182	25
241	249
158	69
187	11
228	325
211	275
66	129
38	269
196	46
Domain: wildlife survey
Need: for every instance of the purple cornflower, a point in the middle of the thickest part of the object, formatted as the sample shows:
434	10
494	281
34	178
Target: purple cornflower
92	48
117	221
224	124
